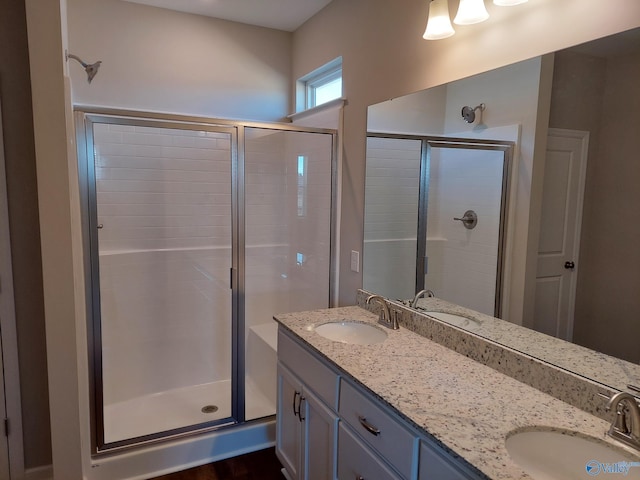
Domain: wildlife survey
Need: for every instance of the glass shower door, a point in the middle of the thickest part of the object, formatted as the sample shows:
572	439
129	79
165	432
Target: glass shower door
287	204
162	232
465	260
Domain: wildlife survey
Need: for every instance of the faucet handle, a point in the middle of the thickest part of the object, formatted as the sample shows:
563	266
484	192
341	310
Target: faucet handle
620	422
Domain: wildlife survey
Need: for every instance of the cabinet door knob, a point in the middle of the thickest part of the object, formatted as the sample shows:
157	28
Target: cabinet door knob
569	265
359	477
368	427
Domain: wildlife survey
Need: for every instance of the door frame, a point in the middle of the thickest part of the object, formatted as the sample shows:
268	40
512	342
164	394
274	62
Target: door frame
9	371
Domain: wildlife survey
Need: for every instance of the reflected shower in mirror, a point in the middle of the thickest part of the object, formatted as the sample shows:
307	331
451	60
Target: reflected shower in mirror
572	269
457	189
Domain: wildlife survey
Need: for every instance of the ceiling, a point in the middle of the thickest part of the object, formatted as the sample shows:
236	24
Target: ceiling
285	15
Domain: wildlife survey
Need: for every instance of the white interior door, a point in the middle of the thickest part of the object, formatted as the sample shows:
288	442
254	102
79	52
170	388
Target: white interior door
558	248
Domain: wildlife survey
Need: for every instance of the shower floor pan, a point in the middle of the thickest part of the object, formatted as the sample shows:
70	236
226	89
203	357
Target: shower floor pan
179	408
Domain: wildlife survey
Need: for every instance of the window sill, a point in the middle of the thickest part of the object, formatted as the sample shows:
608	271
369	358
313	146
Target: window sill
338	102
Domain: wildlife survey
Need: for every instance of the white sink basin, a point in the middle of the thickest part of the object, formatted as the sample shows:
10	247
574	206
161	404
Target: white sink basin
352	332
550	455
453	319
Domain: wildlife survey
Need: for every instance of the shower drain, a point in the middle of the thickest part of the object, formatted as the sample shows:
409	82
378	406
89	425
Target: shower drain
209	409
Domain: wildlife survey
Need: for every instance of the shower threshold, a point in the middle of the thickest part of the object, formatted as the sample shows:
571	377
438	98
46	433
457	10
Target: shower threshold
177	408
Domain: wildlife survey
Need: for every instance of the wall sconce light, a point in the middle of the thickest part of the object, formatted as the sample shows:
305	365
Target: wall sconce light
439	23
469	12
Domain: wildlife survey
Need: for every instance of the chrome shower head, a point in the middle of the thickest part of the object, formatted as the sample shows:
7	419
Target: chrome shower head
91	69
469	113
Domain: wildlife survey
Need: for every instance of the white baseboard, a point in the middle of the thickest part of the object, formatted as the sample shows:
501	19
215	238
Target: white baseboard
39	473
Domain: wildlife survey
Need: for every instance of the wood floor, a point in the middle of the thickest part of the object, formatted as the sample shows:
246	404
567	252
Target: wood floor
260	465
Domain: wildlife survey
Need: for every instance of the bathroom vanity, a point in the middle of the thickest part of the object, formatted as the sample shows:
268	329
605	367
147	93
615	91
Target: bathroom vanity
405	408
326	422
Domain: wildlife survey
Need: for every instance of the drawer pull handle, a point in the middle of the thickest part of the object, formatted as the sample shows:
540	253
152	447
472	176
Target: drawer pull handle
370	428
359	477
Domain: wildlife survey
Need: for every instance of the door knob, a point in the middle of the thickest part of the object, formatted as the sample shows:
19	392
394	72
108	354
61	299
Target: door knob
569	265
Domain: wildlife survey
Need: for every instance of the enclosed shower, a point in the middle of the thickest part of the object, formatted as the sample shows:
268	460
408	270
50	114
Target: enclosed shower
436	217
197	232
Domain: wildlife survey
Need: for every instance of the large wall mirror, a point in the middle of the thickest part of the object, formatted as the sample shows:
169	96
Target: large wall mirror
573	114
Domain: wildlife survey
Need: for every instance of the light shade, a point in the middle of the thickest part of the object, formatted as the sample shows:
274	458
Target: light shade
439	23
470	12
508	3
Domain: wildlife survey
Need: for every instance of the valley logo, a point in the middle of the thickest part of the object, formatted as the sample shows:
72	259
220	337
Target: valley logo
593	467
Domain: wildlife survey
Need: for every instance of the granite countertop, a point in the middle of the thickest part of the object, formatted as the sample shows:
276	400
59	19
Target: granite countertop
603	368
466	406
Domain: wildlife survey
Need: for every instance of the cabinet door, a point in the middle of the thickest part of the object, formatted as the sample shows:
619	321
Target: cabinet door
320	439
289	425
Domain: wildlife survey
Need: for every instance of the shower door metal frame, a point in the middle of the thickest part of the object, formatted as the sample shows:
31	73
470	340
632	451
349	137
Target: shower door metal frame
84	124
428	142
85	118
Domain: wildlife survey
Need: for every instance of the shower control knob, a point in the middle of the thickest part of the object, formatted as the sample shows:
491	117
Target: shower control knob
569	265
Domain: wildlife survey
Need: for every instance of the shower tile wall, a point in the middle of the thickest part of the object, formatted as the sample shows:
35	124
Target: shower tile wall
391	216
165	239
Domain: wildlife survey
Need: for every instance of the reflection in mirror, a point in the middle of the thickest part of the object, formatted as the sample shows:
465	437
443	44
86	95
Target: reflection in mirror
575	117
457	189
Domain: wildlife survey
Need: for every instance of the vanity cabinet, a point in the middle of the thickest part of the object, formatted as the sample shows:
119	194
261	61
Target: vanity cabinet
328	427
306	427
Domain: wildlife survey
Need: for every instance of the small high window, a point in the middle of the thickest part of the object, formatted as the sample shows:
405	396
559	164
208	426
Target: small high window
320	86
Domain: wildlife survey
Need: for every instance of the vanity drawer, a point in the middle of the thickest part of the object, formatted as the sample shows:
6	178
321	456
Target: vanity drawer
436	464
357	461
380	429
316	375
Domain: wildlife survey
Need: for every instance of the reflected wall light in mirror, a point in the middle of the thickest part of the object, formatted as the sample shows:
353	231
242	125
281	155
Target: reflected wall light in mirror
469	12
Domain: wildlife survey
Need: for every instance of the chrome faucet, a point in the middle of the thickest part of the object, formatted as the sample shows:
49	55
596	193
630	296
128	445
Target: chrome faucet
385	317
626	426
426	293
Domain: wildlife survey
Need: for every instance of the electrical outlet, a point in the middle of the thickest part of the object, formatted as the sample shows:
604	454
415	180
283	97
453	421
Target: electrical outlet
355	261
